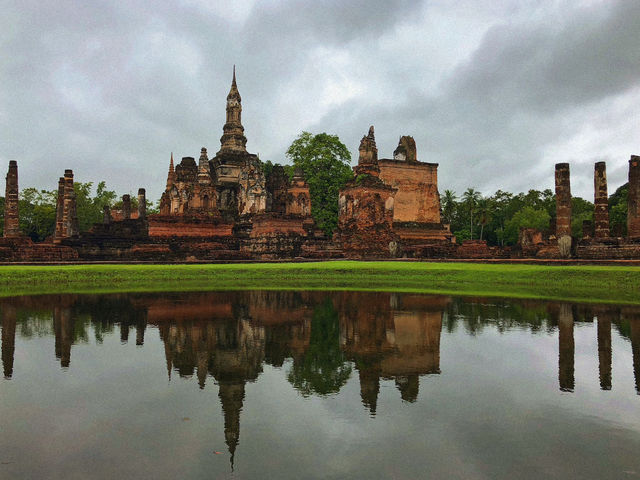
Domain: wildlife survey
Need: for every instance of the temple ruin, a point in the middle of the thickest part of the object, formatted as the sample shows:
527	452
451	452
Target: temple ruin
229	208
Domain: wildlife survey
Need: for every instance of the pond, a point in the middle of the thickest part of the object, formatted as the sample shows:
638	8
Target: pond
265	384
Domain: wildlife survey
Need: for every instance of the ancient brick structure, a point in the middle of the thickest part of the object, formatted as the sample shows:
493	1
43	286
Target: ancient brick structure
298	200
142	203
240	182
69	214
277	185
633	199
365	217
600	201
59	231
563	209
189	188
126	207
11	218
416	211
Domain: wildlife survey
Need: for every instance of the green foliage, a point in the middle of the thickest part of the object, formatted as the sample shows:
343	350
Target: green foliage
322	369
618	211
527	217
37	208
580	210
37	211
325	163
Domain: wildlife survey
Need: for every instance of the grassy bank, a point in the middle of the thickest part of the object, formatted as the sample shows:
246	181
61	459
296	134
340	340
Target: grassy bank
580	283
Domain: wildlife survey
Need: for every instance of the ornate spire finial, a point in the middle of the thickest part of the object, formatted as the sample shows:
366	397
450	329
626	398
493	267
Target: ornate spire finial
233	82
171	177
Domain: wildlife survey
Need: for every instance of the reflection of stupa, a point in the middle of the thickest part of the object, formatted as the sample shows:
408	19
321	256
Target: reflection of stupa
231	349
392	337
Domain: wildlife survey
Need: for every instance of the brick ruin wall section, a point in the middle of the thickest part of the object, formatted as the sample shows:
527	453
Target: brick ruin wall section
417	199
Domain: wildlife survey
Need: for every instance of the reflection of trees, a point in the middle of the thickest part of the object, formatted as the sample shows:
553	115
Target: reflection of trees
322	368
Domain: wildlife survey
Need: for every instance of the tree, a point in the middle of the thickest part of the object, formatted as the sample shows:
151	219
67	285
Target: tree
324	161
618	211
470	199
484	210
581	210
527	217
448	206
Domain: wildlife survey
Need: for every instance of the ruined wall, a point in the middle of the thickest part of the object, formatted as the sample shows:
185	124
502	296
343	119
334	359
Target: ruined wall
417	199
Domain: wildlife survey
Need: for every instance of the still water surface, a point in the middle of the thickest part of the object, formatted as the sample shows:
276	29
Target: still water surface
317	385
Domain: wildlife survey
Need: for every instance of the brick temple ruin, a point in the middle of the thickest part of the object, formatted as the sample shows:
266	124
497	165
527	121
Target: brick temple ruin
226	208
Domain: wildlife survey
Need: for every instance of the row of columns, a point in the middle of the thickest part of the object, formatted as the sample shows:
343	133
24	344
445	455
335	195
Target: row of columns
66	207
601	201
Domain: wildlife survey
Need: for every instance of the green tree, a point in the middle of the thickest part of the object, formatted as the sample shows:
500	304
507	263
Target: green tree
470	200
618	211
448	206
325	163
581	210
527	217
322	369
484	211
37	211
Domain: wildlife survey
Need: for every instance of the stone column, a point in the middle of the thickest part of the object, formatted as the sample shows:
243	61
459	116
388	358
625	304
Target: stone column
600	201
126	207
142	203
11	217
563	209
633	202
106	215
566	349
59	233
70	215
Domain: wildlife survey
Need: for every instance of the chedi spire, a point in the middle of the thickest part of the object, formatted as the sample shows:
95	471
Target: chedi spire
233	139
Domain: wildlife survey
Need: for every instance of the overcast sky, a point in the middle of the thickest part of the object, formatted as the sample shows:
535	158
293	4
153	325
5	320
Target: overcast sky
496	92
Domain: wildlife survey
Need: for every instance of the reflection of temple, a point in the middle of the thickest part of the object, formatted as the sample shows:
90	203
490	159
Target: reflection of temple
395	337
320	337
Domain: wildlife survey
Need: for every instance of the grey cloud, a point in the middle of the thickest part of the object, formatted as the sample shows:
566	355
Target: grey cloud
110	89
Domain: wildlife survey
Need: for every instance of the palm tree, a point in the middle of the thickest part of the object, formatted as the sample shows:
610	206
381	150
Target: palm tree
470	199
448	205
484	211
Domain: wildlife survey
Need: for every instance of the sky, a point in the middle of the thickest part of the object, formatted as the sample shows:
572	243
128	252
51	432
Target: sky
496	93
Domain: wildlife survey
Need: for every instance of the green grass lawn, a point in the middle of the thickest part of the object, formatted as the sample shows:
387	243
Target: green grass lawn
614	284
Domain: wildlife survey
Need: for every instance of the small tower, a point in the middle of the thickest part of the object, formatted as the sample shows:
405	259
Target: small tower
204	171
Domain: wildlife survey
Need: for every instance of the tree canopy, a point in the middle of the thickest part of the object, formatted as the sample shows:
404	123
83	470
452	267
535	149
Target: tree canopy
324	160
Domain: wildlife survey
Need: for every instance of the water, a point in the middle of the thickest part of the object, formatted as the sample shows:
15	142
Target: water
317	385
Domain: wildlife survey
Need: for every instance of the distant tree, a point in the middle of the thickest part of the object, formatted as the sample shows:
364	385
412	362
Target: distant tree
500	201
581	210
90	208
448	202
527	217
484	211
325	163
470	199
37	211
618	211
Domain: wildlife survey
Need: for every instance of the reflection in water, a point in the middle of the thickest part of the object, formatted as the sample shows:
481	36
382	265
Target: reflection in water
319	337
